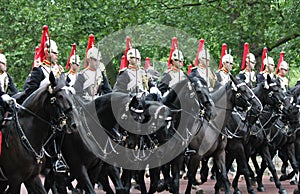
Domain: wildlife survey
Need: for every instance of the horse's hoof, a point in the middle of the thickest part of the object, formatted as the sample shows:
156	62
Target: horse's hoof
261	189
296	192
293	182
283	177
200	191
196	187
271	179
161	186
212	177
237	192
283	191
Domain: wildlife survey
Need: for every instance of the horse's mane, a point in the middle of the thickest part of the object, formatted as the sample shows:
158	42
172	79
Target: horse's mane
216	94
38	95
295	91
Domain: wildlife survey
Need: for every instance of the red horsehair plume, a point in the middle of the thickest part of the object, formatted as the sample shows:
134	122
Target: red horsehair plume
246	52
223	52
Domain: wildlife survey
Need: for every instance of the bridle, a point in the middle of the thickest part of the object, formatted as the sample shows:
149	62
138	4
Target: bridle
55	125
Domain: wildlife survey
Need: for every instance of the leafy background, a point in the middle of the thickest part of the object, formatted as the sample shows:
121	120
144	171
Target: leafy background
274	24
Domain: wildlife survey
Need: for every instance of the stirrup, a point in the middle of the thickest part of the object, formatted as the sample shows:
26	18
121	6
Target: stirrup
60	166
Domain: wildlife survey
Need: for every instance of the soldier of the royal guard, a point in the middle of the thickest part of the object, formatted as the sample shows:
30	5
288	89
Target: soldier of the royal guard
92	80
151	73
132	79
173	75
247	72
203	69
39	76
282	75
7	87
223	74
72	74
268	69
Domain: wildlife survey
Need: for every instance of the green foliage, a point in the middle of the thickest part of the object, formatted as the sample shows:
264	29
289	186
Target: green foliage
274	24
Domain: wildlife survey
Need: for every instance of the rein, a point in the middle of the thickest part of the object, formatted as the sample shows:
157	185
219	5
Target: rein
22	134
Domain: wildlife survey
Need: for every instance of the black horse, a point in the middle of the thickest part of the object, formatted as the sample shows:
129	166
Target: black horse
101	135
256	139
212	138
240	125
47	111
192	98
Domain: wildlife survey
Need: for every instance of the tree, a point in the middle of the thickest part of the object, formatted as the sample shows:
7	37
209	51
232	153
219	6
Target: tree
274	24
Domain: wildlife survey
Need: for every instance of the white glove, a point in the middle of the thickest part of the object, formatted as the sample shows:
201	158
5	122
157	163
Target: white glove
6	98
155	90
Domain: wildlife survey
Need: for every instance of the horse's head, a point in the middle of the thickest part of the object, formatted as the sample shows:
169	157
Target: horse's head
270	93
54	104
244	97
200	86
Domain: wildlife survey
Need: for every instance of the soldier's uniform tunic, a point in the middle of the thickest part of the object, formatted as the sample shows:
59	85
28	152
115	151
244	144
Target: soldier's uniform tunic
169	79
131	80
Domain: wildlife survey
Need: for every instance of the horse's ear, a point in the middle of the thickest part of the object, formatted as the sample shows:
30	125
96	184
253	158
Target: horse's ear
134	102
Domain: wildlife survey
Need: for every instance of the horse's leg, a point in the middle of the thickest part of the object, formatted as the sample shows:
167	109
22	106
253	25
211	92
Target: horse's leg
220	162
256	167
126	179
290	151
166	169
34	186
242	165
84	180
267	157
204	170
284	158
114	174
15	187
192	170
141	180
3	186
154	178
105	183
176	166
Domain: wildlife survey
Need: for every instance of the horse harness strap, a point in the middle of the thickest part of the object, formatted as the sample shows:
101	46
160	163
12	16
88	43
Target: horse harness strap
23	137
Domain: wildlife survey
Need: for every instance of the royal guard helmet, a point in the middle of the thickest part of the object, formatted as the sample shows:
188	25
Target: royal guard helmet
133	53
268	61
284	65
227	59
75	59
177	55
94	53
51	45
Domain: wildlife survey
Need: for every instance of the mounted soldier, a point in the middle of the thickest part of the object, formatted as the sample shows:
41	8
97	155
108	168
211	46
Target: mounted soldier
223	74
39	76
202	67
92	80
267	67
7	87
174	74
247	72
133	79
74	65
282	75
151	73
72	74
